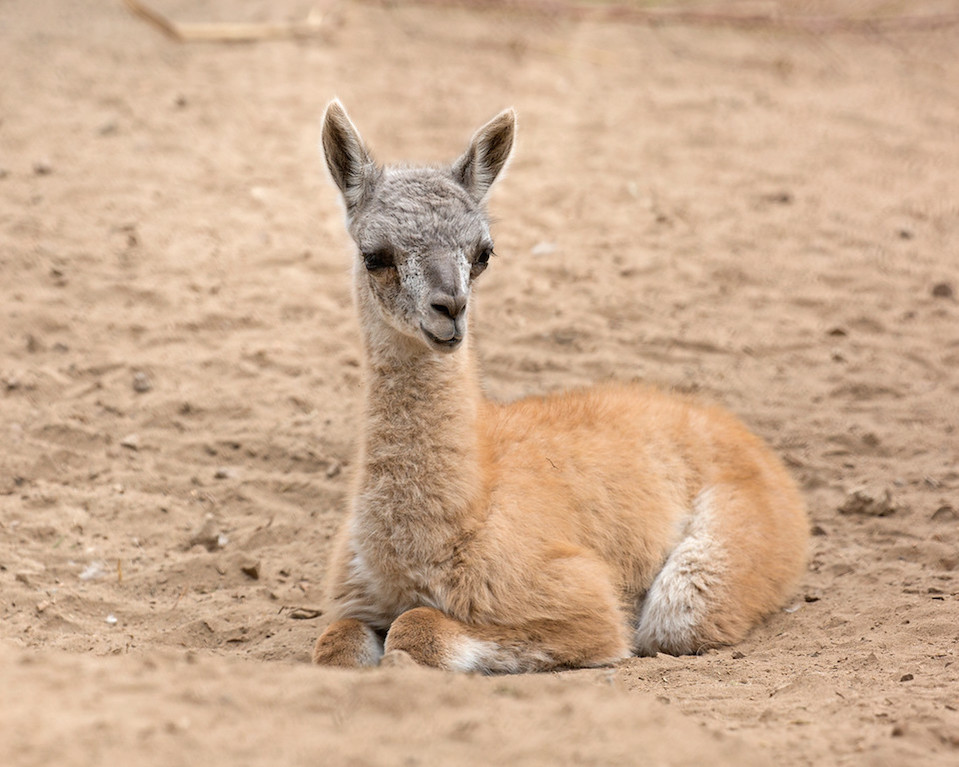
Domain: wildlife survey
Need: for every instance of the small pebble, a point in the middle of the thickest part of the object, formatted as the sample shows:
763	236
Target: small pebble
141	382
42	168
92	571
305	613
945	514
942	290
131	442
543	248
869	503
906	678
250	568
208	536
780	198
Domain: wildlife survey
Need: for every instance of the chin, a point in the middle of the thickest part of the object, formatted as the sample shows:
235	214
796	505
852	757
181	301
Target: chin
439	345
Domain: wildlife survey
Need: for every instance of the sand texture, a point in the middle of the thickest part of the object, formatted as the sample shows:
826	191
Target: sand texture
768	216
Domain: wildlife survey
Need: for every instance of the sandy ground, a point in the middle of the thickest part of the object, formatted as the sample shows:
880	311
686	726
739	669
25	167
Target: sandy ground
769	217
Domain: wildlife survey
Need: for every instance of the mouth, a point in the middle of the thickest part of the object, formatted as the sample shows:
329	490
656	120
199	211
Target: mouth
442	344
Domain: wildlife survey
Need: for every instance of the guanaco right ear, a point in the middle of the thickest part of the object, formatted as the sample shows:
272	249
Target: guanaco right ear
351	166
487	155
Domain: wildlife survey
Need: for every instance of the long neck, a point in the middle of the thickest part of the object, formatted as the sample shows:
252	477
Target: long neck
419	474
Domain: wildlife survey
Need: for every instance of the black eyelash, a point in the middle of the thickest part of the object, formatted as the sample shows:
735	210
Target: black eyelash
482	258
378	259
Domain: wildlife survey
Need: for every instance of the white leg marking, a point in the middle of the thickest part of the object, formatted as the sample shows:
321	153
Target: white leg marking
372	650
469	654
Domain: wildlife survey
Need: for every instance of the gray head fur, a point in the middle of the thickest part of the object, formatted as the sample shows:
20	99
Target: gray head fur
422	233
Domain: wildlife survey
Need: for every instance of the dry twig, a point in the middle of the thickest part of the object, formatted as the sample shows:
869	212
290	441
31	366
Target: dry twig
702	17
226	32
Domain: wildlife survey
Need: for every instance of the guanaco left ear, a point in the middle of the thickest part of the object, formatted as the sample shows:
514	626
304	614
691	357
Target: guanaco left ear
351	165
487	155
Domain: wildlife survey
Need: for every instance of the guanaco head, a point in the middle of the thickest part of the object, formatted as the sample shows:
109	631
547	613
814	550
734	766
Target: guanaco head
422	233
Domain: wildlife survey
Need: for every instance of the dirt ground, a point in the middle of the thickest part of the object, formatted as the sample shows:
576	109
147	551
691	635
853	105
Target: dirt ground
769	216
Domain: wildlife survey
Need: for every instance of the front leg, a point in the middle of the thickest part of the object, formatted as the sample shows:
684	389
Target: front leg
348	643
432	638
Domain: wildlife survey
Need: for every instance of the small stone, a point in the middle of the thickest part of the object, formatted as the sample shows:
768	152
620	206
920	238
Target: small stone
779	198
208	536
131	442
905	234
945	514
906	678
141	382
42	606
42	168
250	568
942	290
738	655
869	503
111	619
224	472
818	530
333	469
305	613
92	572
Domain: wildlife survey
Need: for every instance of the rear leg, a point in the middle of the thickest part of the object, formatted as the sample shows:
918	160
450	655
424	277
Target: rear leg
743	550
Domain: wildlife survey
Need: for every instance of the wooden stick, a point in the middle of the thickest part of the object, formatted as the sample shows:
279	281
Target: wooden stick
671	16
225	32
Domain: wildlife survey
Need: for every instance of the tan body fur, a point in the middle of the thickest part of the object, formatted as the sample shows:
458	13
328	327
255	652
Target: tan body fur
563	531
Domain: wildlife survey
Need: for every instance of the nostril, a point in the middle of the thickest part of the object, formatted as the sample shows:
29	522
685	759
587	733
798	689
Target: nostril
449	306
442	309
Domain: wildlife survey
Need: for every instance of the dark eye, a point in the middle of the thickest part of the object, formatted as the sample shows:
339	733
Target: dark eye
482	258
378	259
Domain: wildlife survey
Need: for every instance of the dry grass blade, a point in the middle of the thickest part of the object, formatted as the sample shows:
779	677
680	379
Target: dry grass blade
226	32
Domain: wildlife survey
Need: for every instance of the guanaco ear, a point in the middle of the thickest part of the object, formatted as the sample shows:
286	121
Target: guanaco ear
487	154
351	166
